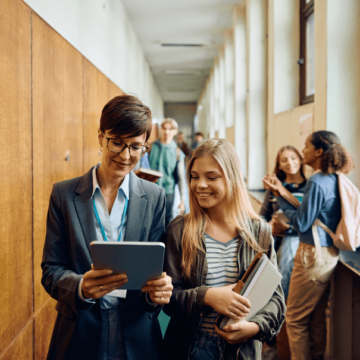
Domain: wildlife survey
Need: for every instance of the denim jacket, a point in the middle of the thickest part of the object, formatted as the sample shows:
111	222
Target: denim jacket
187	306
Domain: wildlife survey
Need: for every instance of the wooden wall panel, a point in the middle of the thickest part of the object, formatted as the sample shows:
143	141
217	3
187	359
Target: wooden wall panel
48	133
230	134
22	347
96	95
286	131
113	90
73	108
255	203
57	106
44	323
16	180
43	121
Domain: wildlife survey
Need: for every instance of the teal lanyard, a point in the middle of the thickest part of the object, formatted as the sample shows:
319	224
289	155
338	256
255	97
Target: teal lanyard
100	224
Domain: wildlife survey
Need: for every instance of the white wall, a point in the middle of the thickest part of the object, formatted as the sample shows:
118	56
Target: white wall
222	94
286	54
102	32
184	114
343	75
216	98
240	92
235	94
256	102
229	79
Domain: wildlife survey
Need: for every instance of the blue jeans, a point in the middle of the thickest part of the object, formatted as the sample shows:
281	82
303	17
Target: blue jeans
286	255
169	208
207	347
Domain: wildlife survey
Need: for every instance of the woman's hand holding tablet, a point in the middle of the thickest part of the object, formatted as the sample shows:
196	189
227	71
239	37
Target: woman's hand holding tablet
98	283
138	266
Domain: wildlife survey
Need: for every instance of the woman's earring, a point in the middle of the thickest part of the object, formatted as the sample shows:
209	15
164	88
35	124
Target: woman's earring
100	150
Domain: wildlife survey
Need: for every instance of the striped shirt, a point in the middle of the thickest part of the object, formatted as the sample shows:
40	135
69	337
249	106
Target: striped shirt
223	270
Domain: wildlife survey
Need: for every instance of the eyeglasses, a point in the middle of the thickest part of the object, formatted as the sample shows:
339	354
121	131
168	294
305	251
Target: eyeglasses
117	146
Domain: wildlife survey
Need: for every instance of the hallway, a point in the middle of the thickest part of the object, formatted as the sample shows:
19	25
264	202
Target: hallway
260	73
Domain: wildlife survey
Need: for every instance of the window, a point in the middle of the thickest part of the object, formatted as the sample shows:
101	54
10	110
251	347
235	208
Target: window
307	51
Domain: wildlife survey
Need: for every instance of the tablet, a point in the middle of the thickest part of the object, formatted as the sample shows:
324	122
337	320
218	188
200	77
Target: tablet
141	261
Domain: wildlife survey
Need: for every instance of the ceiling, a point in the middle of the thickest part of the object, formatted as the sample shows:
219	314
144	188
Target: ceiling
181	71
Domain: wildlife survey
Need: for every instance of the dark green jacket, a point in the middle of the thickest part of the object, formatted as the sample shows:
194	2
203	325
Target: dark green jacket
186	305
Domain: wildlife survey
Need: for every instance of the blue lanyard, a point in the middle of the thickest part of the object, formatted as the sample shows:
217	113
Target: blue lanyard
99	221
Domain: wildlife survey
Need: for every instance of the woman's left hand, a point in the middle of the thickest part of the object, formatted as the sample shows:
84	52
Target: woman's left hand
238	332
160	290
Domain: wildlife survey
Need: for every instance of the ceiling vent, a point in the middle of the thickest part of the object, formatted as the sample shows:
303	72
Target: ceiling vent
183	72
181	45
182	90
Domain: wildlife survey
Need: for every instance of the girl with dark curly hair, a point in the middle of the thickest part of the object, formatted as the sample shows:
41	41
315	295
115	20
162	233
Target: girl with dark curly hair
309	284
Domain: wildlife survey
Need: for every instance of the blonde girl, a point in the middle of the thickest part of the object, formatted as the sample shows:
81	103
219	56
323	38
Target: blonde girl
207	251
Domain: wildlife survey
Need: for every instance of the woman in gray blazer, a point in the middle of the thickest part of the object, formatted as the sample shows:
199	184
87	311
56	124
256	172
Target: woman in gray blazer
108	203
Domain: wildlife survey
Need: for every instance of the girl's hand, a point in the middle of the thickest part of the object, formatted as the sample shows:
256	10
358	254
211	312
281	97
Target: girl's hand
227	302
160	290
238	332
271	182
278	226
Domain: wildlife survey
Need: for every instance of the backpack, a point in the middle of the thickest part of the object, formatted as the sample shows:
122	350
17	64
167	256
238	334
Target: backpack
265	233
347	234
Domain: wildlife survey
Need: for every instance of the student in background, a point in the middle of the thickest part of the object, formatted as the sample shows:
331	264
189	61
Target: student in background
199	139
309	284
183	146
181	143
108	203
206	253
144	162
167	158
289	169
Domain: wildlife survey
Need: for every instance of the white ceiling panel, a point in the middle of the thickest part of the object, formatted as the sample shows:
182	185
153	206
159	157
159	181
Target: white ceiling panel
181	72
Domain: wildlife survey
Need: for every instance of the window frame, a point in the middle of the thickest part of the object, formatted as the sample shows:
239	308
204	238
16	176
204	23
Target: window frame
305	11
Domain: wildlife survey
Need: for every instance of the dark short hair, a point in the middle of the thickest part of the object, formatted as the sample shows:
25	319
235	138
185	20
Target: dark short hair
199	134
335	157
126	116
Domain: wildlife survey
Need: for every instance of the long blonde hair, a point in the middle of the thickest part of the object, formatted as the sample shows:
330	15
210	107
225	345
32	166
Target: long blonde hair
239	205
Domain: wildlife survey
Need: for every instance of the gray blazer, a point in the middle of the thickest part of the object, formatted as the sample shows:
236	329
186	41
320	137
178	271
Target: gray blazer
66	257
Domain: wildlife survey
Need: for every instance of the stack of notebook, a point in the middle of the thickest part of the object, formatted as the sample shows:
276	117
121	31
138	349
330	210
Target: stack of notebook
257	285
